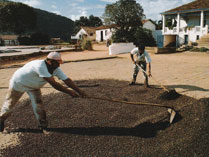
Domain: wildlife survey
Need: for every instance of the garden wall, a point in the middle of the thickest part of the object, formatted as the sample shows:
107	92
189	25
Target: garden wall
117	48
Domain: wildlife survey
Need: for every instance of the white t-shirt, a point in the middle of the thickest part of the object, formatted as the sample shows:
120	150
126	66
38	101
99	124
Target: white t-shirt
144	57
30	76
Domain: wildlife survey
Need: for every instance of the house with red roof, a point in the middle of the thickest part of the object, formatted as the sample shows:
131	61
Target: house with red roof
104	33
9	40
85	33
189	23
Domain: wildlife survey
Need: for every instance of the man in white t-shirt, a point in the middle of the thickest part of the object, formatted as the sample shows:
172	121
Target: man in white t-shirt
30	78
141	61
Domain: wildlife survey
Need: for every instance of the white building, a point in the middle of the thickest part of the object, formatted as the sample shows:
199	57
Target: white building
104	33
149	24
85	33
9	40
191	22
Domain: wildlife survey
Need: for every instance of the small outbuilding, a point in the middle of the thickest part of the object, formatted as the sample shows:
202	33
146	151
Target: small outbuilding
9	40
85	33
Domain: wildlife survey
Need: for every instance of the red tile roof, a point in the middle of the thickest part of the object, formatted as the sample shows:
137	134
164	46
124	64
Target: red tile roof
146	20
8	37
90	30
195	5
106	27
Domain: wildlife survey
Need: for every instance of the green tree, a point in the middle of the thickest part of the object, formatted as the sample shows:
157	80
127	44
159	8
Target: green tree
159	24
127	15
170	22
16	17
92	21
144	36
83	21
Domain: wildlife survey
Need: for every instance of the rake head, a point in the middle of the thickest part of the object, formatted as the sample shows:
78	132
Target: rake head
170	95
172	114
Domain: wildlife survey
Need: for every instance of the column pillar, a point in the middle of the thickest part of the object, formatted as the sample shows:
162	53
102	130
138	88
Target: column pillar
201	21
163	24
178	23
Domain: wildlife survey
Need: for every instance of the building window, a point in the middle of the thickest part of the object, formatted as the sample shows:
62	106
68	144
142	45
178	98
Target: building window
198	37
106	33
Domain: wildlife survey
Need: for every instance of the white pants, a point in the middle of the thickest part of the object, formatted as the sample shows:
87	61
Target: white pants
12	98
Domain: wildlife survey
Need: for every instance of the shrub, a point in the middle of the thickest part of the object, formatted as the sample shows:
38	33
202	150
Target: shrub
40	39
86	44
202	49
195	49
194	43
24	40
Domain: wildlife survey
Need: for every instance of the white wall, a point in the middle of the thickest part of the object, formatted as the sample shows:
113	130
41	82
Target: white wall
107	34
149	25
117	48
183	23
98	33
81	32
193	21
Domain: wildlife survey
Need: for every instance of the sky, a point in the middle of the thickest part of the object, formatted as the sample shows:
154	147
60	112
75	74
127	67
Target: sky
73	9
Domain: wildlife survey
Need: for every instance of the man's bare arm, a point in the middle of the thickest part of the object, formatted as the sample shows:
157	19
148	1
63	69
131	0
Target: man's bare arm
132	58
59	87
72	85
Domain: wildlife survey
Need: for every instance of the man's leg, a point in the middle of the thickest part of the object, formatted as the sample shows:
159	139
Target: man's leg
11	99
144	67
136	71
38	107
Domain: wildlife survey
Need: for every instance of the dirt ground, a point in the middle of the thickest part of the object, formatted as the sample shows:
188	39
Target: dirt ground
110	130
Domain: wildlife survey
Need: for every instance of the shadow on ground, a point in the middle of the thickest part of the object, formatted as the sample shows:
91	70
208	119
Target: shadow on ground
144	130
188	88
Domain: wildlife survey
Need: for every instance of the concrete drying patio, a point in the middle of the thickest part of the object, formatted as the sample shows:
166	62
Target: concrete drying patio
187	72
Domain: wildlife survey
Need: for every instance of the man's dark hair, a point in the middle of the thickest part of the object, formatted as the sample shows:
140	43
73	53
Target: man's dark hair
141	47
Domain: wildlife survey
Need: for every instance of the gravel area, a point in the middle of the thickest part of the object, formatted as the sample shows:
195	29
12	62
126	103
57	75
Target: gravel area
88	127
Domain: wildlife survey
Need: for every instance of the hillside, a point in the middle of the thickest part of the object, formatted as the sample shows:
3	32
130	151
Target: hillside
54	25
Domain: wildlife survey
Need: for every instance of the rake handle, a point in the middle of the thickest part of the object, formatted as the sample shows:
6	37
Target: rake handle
129	102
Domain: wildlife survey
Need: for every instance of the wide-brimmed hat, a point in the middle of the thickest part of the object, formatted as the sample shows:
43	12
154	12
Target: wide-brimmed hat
55	56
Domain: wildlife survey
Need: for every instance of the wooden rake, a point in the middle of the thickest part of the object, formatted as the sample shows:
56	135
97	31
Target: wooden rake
171	110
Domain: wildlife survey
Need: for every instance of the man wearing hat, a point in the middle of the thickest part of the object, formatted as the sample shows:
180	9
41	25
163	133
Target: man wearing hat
30	78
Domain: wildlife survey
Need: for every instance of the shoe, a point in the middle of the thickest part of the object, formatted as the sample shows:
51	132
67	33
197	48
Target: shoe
132	83
1	125
146	86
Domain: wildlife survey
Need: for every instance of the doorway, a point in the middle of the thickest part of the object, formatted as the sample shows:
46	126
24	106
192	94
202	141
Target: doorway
102	36
186	40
